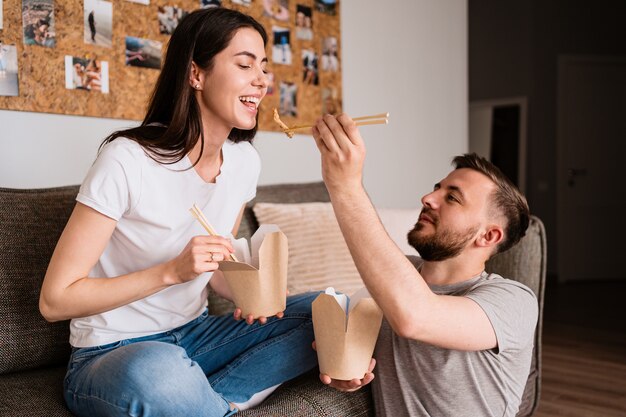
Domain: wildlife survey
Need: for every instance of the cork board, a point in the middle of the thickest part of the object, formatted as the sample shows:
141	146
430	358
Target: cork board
304	57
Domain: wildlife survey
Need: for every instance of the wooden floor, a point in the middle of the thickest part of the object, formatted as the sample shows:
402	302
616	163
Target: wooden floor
584	351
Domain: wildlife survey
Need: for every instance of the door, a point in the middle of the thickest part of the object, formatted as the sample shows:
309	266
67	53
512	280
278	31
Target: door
497	132
591	147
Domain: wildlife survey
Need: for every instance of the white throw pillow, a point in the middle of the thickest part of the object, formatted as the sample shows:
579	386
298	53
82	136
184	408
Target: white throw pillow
398	222
318	254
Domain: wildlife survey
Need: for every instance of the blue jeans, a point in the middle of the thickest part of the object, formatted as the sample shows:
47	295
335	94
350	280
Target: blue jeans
193	370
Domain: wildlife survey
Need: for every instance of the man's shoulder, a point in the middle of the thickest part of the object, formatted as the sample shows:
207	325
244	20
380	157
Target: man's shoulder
497	281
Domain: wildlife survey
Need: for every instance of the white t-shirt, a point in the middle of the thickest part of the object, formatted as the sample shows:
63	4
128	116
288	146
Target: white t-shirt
151	203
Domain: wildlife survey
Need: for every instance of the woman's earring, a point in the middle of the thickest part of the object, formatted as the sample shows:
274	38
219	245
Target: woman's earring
197	86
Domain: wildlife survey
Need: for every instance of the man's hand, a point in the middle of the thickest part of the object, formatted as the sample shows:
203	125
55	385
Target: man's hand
353	384
342	150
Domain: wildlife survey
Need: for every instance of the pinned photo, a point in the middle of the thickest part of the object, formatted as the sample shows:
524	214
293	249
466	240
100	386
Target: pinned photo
304	23
288	105
326	6
144	2
169	17
210	3
246	3
38	22
330	101
98	22
309	67
9	85
143	52
330	61
1	15
86	74
270	83
276	9
281	50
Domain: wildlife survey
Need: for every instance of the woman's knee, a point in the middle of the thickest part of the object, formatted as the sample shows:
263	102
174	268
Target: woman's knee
161	367
300	304
159	377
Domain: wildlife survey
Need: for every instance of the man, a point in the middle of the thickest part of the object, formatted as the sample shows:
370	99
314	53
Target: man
455	341
92	25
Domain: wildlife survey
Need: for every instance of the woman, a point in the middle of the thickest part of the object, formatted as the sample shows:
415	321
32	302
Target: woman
92	76
132	265
39	34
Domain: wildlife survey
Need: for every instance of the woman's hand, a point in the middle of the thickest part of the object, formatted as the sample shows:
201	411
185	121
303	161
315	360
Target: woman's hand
201	255
250	318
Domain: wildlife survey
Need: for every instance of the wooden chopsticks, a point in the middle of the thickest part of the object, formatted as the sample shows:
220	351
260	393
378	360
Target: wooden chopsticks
375	119
199	215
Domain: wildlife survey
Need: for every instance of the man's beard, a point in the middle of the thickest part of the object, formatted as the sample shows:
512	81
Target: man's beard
442	245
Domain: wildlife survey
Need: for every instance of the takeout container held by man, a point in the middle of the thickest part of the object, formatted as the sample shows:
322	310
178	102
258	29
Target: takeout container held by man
346	330
259	282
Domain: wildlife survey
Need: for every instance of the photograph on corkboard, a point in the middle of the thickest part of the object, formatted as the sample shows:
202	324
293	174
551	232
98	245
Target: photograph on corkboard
330	61
210	3
144	53
86	74
246	3
304	23
281	49
331	104
169	17
303	47
270	84
326	6
9	85
98	22
309	67
288	104
38	22
276	9
1	19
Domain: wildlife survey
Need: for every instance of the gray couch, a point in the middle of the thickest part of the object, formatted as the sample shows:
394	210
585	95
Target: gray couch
33	352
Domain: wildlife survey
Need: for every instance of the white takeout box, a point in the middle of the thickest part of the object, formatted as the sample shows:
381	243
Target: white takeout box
346	330
259	283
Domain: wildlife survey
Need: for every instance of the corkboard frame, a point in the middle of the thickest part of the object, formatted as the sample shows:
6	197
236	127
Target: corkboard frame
42	70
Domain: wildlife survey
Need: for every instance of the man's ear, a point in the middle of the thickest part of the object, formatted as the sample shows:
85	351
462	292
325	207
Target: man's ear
491	237
196	77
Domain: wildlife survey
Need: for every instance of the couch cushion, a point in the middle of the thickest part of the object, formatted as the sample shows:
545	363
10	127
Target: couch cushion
280	193
306	396
32	221
36	393
318	254
526	263
398	222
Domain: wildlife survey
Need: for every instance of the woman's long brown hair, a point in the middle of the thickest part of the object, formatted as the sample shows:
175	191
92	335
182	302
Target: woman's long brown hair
173	124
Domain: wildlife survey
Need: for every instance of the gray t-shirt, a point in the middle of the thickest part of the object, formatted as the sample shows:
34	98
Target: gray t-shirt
416	379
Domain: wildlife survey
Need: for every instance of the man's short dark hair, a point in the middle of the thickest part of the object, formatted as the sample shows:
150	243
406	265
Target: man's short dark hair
506	200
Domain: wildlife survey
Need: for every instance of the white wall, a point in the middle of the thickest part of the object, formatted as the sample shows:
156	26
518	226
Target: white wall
48	150
405	57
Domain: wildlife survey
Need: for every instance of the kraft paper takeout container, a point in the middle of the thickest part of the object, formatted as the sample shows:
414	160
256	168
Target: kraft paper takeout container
346	330
259	283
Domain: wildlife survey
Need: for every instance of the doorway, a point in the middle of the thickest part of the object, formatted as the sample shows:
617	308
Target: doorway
497	132
591	159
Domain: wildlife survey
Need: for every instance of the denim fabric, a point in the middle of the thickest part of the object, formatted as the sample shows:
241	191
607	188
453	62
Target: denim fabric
194	370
